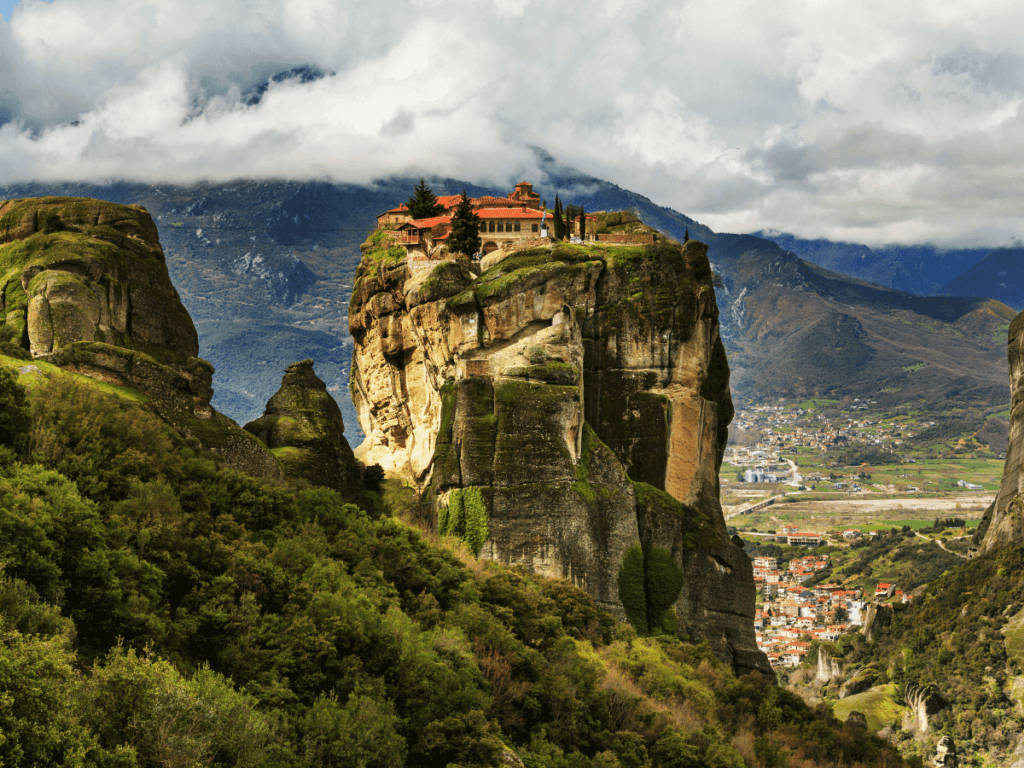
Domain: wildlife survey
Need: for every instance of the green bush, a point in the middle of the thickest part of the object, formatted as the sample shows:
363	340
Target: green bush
465	516
15	416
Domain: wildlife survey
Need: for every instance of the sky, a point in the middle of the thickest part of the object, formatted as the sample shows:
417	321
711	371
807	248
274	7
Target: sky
870	121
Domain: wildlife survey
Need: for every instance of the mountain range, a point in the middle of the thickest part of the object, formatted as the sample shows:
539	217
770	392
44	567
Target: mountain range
266	268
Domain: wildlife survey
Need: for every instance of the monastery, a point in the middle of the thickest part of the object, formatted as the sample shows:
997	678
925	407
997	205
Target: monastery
505	222
509	223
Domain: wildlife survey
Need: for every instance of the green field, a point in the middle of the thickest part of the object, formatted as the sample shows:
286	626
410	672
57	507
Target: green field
876	704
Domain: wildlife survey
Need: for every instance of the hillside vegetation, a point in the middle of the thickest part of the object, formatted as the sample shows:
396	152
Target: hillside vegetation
159	610
961	641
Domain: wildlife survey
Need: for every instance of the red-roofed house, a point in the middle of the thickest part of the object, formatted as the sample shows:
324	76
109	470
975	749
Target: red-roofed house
514	218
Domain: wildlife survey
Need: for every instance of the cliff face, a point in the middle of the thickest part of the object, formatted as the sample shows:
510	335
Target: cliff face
566	410
84	285
1003	522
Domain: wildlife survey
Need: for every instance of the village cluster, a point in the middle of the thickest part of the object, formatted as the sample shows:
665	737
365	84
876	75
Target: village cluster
784	428
792	615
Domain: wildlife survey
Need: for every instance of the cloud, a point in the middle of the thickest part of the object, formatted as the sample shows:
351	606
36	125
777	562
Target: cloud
873	121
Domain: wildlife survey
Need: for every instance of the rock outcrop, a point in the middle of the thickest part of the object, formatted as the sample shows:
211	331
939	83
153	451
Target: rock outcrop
876	615
304	430
945	753
75	269
923	702
84	285
566	410
828	668
1003	522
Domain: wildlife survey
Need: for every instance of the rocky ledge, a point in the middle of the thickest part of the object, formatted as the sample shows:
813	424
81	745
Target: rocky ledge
565	410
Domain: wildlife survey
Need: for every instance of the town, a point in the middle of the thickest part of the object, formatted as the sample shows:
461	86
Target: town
791	616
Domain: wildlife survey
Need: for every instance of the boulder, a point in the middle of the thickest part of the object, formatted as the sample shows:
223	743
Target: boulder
876	615
862	680
76	269
924	702
857	720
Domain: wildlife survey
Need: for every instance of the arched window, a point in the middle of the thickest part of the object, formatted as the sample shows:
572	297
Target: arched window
517	226
492	226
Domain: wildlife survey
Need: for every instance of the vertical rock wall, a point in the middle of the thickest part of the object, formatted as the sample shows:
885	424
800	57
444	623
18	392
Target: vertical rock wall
566	410
1003	522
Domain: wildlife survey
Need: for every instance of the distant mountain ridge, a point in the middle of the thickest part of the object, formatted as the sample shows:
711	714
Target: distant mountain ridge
1000	275
265	269
922	269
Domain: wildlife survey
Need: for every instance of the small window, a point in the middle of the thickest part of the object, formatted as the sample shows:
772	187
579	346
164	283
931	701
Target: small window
483	226
517	226
534	228
492	226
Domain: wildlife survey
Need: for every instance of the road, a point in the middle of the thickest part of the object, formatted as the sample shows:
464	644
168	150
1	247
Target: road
797	477
937	541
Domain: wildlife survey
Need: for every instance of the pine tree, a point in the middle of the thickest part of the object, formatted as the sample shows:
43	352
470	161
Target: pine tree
423	203
465	236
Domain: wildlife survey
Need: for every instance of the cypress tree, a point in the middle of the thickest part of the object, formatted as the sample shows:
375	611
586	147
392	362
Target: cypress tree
465	236
583	224
686	235
423	203
559	224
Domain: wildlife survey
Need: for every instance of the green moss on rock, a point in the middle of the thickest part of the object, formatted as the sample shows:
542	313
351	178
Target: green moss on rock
631	588
98	270
553	372
465	516
529	442
446	279
649	582
663	517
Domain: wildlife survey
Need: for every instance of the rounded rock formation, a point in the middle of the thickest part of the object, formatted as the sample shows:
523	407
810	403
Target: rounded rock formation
76	269
303	428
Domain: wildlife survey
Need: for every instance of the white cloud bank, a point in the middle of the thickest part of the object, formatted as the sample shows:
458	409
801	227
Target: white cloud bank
874	122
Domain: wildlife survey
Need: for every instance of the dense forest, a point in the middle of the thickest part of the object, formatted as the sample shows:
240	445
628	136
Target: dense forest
157	609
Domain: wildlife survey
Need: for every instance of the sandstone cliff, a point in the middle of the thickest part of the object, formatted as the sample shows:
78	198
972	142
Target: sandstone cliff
1003	522
303	428
566	410
84	285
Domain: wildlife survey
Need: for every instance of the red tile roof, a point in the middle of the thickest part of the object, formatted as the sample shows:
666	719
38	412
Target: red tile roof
495	201
509	213
431	222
